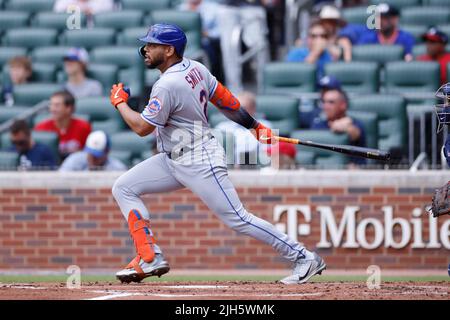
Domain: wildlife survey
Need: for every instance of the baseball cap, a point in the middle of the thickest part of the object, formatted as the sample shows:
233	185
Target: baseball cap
331	13
329	83
435	35
284	148
77	54
97	144
387	10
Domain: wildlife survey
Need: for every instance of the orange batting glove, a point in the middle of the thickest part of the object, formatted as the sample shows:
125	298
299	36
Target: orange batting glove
263	134
119	94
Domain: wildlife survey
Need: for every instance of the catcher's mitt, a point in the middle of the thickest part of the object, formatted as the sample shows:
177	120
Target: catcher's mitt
440	204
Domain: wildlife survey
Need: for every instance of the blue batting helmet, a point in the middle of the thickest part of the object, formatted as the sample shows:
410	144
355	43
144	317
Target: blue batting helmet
443	109
167	34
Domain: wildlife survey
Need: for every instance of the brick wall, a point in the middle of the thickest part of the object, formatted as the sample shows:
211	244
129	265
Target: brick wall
53	227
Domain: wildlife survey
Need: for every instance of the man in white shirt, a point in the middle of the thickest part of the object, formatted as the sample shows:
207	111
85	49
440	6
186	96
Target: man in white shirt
244	142
95	156
88	7
75	66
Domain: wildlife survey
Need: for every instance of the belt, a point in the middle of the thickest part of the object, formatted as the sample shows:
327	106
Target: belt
184	150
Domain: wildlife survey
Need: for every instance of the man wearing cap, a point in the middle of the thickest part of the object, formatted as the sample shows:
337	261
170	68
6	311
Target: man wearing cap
436	41
389	32
94	156
75	66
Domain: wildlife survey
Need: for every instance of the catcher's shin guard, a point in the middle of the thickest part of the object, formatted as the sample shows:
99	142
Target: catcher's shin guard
142	235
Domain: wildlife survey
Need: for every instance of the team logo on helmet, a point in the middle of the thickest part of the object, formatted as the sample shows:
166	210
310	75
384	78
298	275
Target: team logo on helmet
154	106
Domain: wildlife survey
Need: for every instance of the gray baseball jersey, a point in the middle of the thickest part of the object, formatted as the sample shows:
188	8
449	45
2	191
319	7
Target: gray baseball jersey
178	105
178	102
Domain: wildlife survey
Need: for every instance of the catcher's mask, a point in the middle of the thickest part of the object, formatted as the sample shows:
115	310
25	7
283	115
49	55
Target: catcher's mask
442	108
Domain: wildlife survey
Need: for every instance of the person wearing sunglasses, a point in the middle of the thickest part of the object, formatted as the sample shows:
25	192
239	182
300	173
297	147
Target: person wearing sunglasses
316	50
32	155
334	117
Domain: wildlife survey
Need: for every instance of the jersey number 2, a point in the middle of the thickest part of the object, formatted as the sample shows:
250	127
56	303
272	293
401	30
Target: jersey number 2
204	101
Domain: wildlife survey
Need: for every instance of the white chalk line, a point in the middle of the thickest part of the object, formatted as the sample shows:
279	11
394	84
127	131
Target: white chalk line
21	286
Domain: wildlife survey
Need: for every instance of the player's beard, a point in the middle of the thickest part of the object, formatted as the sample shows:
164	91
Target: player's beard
155	63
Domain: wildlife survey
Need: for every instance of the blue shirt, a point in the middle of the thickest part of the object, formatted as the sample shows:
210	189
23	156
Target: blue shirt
320	123
40	155
405	39
78	161
300	54
354	32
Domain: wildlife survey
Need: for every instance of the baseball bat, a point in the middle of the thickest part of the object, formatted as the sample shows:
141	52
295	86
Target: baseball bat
350	150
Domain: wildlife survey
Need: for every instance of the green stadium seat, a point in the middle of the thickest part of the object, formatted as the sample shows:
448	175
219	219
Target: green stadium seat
356	15
54	20
8	161
30	5
130	36
151	76
145	6
43	72
289	77
436	3
88	38
377	53
189	21
425	16
122	155
7	113
119	19
355	77
392	120
445	28
314	156
31	94
416	30
30	37
400	4
99	109
52	54
130	141
134	78
108	126
105	73
121	56
7	53
281	111
415	76
370	123
419	49
13	20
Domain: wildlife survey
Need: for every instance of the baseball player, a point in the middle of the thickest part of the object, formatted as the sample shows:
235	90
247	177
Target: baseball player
190	156
440	204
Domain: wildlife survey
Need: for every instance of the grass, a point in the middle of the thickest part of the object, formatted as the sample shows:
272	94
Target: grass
168	278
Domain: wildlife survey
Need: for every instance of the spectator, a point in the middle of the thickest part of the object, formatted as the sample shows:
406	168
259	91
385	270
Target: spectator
284	155
334	118
209	12
32	155
88	7
75	66
20	70
436	41
389	32
95	156
316	51
311	110
245	143
72	131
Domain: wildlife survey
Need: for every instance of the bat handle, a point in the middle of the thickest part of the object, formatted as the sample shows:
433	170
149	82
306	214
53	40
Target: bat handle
288	140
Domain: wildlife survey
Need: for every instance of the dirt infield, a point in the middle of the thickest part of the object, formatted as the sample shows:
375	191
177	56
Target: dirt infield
223	290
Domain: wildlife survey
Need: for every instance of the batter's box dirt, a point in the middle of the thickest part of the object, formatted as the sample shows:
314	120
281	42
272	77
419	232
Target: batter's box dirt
224	290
